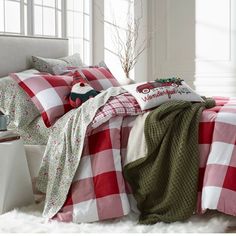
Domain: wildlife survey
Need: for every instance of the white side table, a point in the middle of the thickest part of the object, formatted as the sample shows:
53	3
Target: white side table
15	182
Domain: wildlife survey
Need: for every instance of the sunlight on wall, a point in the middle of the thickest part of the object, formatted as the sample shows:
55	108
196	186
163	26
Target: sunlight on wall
215	43
212	30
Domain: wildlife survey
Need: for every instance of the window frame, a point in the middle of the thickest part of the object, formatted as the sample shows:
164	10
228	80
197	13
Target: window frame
42	9
27	22
96	26
22	19
83	38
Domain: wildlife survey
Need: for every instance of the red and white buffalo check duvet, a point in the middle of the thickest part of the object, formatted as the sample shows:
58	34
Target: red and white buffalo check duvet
99	192
217	140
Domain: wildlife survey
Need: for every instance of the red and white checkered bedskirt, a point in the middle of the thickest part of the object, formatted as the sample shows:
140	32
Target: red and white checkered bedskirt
99	192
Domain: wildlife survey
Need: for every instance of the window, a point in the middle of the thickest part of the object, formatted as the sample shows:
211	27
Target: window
71	19
79	28
116	14
12	16
47	18
51	18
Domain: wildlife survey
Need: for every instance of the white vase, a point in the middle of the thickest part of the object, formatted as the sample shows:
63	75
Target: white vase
126	81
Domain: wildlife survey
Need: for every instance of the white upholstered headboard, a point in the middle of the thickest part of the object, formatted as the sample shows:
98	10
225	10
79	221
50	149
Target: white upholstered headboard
16	51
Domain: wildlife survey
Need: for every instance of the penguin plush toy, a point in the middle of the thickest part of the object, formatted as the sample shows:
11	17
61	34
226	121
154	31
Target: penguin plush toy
81	91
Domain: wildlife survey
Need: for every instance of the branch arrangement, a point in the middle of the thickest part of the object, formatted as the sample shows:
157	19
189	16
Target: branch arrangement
129	48
126	40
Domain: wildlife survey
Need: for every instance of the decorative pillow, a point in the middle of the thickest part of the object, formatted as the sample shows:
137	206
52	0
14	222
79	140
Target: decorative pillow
154	93
16	103
100	78
48	93
50	65
81	92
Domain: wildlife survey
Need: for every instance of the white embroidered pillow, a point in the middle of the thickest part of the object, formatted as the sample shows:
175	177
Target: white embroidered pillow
153	93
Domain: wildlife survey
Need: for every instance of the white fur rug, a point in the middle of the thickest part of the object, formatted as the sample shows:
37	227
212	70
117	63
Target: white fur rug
29	220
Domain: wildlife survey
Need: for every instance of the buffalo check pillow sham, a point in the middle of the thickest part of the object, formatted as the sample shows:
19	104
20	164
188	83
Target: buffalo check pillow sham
48	93
99	77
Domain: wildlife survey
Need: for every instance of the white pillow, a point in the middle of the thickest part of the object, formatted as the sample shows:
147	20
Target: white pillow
153	93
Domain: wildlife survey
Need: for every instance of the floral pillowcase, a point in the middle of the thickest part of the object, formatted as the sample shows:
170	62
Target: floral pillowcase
52	66
16	103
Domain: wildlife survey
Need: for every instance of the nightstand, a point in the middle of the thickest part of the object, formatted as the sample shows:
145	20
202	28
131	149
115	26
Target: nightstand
15	182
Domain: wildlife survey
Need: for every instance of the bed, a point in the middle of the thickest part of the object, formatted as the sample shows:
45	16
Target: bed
88	167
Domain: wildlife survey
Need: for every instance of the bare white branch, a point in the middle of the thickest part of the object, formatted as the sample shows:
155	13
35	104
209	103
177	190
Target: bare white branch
128	47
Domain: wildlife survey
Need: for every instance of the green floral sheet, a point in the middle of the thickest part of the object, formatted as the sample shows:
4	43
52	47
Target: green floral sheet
35	133
16	103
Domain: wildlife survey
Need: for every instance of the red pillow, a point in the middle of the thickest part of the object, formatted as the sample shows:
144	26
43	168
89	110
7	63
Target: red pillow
100	78
48	93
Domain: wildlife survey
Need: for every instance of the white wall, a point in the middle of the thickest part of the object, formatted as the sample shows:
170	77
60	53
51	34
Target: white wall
173	45
98	31
194	39
141	68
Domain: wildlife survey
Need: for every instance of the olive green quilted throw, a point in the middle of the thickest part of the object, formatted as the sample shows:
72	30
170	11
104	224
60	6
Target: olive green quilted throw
164	182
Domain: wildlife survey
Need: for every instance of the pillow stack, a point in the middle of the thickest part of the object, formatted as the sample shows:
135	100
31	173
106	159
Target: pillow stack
51	94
